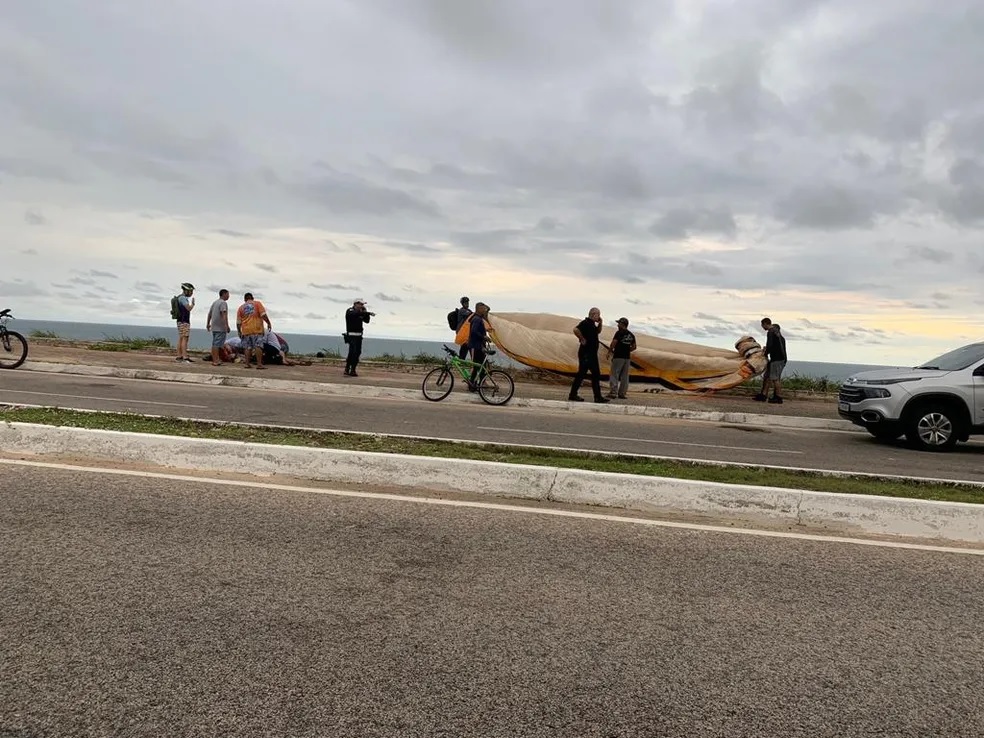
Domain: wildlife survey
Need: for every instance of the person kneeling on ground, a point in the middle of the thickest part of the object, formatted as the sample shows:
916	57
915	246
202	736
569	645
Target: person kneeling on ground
275	351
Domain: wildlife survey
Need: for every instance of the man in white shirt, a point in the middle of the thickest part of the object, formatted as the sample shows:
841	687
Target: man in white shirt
218	323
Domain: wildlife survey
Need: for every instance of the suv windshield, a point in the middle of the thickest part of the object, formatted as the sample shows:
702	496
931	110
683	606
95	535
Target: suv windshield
957	359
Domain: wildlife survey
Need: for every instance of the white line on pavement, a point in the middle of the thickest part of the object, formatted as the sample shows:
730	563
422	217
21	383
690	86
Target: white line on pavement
103	399
495	506
760	449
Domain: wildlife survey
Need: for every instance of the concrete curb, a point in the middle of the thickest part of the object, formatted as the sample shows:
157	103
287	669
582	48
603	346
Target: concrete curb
374	392
843	514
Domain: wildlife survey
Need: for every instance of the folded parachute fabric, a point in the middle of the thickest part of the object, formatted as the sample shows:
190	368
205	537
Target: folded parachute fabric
547	342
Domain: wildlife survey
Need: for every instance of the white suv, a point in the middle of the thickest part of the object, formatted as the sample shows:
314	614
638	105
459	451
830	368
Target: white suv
934	405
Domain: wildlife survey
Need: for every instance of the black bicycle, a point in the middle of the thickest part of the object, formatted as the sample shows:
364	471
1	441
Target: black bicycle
495	386
13	346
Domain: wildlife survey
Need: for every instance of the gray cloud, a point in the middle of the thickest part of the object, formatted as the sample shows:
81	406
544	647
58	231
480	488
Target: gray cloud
26	168
267	268
33	217
929	253
29	252
298	295
333	286
340	192
388	298
20	288
828	207
315	316
231	233
103	274
681	223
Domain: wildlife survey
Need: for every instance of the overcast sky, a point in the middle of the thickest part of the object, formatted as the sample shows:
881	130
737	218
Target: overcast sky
691	164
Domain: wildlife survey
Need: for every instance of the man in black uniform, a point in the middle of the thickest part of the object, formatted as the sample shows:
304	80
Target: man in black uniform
587	332
355	317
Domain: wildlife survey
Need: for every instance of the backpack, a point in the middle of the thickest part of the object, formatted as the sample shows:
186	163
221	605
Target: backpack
453	320
175	314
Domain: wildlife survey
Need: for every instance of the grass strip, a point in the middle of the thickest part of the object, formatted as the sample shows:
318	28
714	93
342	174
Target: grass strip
586	460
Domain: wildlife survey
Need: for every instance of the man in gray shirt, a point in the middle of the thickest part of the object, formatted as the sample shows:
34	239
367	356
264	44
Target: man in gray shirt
218	324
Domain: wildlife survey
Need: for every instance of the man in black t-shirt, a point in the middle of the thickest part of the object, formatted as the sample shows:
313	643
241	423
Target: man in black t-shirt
775	350
587	356
619	350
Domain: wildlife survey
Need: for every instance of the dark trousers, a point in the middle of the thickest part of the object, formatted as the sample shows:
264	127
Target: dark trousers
478	356
354	352
587	361
463	351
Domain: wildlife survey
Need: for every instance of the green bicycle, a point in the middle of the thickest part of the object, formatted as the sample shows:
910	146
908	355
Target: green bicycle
495	386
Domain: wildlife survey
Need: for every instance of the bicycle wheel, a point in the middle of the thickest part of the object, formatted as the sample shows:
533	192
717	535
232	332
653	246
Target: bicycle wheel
438	384
496	387
13	350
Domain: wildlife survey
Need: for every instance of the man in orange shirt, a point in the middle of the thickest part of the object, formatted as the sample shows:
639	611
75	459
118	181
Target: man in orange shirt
249	322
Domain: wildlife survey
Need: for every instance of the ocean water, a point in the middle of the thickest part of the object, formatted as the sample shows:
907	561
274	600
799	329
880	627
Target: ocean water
307	343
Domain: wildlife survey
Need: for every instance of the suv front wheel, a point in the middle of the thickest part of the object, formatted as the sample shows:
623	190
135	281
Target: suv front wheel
933	427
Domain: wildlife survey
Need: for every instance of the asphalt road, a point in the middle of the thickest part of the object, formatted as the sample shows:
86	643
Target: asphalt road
848	451
146	606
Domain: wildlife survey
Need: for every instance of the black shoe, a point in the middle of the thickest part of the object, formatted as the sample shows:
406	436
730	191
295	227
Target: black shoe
760	397
353	374
575	398
602	399
775	400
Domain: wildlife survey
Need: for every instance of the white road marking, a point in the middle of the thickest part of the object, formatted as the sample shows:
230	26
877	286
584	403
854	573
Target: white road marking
103	399
495	506
760	449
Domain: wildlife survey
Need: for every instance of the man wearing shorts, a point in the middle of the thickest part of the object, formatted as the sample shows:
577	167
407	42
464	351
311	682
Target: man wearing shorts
218	324
249	322
186	303
775	350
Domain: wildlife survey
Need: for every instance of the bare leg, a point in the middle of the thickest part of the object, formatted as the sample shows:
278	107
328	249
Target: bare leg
258	353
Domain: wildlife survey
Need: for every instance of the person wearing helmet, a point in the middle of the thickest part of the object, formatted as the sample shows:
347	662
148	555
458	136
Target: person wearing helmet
186	303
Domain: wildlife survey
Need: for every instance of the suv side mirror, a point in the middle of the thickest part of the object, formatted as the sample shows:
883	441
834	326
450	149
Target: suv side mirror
979	371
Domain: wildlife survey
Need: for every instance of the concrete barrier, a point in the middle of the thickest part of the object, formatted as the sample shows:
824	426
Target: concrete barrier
401	393
841	514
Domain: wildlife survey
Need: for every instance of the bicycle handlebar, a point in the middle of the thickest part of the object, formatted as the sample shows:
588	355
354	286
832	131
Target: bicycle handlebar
450	352
5	313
